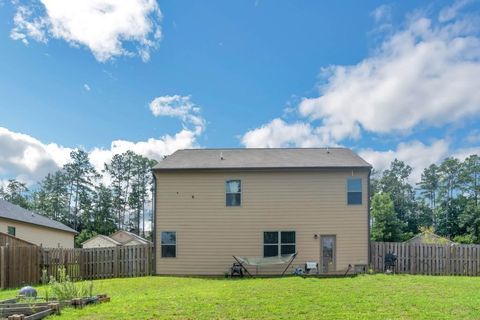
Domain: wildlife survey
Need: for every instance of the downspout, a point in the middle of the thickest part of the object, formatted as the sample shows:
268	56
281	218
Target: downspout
369	221
154	222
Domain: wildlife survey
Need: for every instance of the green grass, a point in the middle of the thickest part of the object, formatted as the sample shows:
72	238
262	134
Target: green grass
363	297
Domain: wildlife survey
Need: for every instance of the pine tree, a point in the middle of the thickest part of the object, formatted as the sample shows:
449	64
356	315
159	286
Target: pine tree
80	177
429	185
450	181
16	192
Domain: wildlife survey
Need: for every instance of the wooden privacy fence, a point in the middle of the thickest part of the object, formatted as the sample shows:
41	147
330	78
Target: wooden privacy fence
19	265
429	259
100	263
24	265
8	240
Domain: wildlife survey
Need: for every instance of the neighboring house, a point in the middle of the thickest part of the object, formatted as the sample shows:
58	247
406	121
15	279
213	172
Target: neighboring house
34	228
211	204
119	238
428	237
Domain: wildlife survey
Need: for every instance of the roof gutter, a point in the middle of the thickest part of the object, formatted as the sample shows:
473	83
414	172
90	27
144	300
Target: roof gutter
264	168
154	222
368	214
41	225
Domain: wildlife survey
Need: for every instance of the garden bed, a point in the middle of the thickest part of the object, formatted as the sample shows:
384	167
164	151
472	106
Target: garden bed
22	308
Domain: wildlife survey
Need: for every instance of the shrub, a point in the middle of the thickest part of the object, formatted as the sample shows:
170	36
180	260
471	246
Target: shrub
63	288
464	239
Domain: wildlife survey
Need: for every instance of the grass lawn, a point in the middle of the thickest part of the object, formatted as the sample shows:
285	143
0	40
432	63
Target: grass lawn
363	297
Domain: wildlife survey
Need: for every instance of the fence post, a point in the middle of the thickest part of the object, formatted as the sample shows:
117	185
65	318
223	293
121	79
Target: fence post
447	258
115	262
39	263
147	260
3	268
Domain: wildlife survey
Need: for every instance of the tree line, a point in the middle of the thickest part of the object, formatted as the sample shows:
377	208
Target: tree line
445	200
88	201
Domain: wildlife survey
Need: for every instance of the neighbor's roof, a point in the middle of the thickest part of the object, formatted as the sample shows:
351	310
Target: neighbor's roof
429	237
132	235
262	159
107	238
13	212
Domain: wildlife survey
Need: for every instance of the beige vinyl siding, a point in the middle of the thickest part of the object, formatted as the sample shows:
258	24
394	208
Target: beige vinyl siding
192	203
46	237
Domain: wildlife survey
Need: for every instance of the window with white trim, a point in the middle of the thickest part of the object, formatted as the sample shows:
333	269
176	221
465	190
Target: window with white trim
169	244
354	191
233	193
277	243
12	230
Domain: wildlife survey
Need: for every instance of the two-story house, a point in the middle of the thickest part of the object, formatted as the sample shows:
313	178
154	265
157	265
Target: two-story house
212	204
34	228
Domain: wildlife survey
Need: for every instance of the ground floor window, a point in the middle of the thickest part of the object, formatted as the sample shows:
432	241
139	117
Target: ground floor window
12	230
169	244
277	243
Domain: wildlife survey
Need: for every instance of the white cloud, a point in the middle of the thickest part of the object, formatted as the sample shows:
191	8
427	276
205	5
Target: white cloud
86	87
423	75
152	148
382	13
451	12
417	155
180	107
463	153
29	160
106	27
414	153
278	133
27	26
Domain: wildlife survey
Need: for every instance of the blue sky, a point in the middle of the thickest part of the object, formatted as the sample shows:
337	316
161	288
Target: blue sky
388	79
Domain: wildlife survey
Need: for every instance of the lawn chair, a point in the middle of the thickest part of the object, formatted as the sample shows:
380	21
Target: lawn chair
236	270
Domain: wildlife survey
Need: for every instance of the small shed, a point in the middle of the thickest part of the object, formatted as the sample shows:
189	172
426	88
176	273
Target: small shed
100	241
127	238
428	237
119	238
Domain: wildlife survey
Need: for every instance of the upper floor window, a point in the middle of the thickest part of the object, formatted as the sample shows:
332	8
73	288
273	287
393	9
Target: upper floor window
169	244
277	243
12	230
233	193
354	191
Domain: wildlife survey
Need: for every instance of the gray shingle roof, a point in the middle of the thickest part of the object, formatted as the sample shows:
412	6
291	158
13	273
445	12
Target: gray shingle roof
14	212
262	159
132	236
